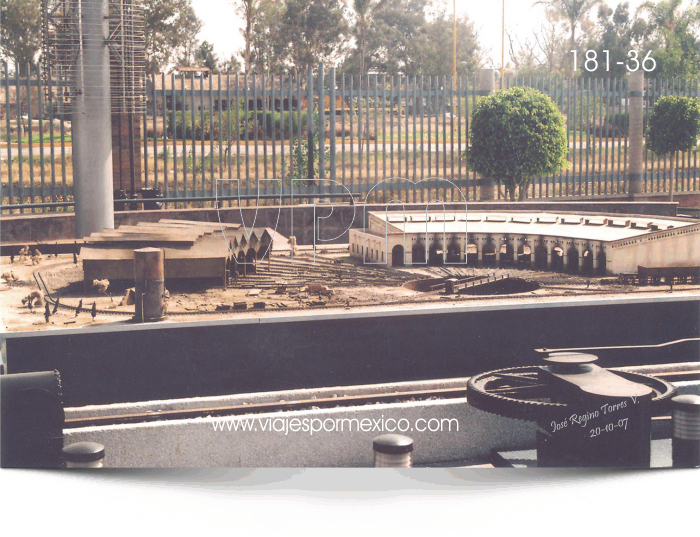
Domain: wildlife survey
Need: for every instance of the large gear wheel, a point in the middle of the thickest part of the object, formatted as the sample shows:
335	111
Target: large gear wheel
518	393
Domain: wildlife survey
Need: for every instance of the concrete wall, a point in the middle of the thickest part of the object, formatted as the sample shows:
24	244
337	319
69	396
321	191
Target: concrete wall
275	351
49	227
668	248
195	443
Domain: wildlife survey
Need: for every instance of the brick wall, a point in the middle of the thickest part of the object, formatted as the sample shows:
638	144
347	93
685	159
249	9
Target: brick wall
126	148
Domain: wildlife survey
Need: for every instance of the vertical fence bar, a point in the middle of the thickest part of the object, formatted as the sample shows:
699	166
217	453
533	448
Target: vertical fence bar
422	137
376	129
202	129
443	113
300	172
367	120
40	111
385	187
64	181
599	153
30	134
229	149
18	107
414	109
273	124
220	137
164	118
459	136
310	124
452	135
321	127
246	131
193	149
588	131
360	139
8	138
391	141
384	105
155	132
262	126
331	127
342	128
52	148
352	135
430	129
173	133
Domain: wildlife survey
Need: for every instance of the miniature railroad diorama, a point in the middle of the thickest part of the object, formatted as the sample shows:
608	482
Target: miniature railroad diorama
240	323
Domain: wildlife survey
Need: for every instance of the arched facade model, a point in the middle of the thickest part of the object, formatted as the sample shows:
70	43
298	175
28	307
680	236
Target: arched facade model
574	243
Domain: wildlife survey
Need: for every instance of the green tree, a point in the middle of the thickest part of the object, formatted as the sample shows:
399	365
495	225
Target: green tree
267	38
20	31
516	135
393	39
314	31
672	35
574	11
674	125
247	10
206	57
232	65
615	33
171	28
364	11
435	55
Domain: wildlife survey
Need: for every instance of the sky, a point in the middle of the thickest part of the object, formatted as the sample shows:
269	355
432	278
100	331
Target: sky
222	25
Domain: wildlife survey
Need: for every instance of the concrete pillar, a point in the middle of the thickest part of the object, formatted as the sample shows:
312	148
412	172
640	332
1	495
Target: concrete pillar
594	253
498	242
635	171
92	129
487	81
548	245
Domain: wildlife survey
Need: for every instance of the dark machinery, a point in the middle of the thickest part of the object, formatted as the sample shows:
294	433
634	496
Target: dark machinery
32	417
587	416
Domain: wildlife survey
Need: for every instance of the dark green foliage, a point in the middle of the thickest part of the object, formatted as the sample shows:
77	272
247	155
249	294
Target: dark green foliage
517	135
264	122
674	125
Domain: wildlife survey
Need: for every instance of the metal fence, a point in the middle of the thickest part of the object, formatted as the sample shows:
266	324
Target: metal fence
229	137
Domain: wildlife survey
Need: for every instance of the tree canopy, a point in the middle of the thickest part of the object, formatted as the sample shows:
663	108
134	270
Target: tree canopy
171	28
674	125
20	31
516	135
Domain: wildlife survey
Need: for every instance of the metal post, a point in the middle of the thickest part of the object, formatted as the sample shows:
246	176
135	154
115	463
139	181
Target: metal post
149	283
393	451
486	86
92	131
686	431
635	170
84	455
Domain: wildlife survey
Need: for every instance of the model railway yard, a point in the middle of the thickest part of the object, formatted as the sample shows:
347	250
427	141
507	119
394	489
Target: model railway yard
327	278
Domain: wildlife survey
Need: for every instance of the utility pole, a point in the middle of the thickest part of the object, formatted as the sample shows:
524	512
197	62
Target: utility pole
503	43
92	126
454	42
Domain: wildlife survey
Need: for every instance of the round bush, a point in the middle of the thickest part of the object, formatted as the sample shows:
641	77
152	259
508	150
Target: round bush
674	125
516	135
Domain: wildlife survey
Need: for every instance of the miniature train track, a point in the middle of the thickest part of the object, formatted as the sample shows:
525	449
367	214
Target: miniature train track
374	279
273	406
460	392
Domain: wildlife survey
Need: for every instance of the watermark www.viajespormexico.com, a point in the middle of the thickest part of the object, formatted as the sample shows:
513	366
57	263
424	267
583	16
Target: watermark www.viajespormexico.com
335	425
